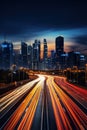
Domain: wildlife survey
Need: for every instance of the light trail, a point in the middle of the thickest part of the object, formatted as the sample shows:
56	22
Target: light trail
79	94
63	96
74	110
8	101
30	112
28	118
32	97
60	116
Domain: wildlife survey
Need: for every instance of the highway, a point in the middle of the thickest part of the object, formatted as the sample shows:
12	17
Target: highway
46	103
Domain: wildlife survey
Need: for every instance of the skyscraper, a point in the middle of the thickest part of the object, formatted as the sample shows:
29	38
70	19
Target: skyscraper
53	54
39	50
24	54
59	45
36	54
45	53
6	55
30	54
73	59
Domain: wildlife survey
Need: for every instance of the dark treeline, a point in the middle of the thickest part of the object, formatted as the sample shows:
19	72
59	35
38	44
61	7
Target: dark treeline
76	77
8	76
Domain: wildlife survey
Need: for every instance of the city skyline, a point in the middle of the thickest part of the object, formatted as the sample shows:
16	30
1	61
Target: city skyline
76	42
43	65
32	56
27	21
68	46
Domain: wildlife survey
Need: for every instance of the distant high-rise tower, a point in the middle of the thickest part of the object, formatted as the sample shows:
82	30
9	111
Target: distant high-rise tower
36	54
45	53
45	50
6	55
30	54
24	54
39	50
59	45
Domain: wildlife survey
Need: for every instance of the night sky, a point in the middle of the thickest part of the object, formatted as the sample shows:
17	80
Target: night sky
29	20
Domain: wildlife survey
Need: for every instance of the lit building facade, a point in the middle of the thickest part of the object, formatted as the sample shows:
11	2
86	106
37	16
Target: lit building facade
59	45
30	54
45	53
24	54
36	55
6	55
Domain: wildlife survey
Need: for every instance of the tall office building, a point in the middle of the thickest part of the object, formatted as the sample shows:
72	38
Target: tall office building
6	55
17	58
39	50
36	54
24	54
30	58
82	61
73	59
53	60
59	45
45	53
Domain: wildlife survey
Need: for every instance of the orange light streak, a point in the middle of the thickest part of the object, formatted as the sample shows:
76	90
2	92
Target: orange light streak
18	113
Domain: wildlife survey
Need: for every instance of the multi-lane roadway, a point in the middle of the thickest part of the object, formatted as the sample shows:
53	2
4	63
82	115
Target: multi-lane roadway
46	103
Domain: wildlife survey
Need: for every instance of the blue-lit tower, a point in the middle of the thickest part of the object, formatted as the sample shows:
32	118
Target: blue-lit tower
6	55
36	55
45	53
24	54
